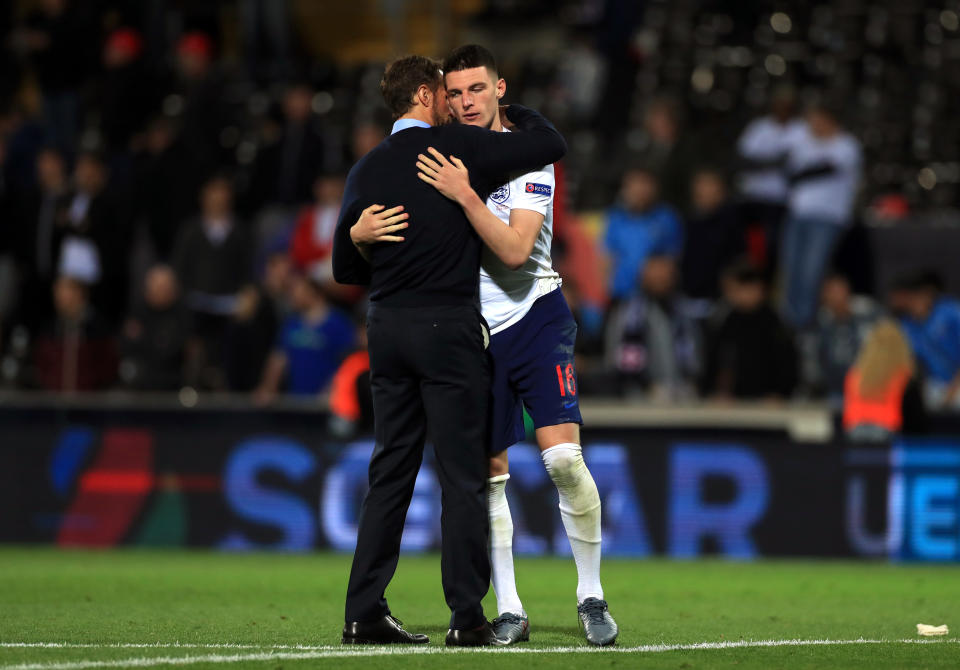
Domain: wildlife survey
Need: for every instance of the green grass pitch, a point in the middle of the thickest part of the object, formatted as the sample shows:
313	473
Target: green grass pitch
69	610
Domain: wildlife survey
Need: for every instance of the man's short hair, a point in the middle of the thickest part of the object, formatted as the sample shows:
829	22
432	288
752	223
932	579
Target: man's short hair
715	171
926	280
829	105
403	77
745	272
836	274
642	169
468	57
219	177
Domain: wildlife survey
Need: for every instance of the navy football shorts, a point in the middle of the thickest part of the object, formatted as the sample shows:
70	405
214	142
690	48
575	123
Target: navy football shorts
533	367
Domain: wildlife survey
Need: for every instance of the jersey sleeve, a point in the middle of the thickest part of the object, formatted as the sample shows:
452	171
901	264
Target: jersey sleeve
534	191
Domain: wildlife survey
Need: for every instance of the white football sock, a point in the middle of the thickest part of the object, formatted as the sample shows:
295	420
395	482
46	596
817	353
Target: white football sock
501	548
580	512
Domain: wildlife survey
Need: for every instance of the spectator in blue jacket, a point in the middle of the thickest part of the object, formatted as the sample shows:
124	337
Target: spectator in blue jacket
639	227
931	321
310	346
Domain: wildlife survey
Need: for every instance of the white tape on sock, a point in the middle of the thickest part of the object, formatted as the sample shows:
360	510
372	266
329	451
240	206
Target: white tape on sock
580	512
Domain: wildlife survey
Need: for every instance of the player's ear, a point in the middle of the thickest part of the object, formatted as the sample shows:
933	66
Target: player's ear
501	88
424	95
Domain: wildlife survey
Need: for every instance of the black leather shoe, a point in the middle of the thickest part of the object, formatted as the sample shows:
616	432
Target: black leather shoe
482	636
388	630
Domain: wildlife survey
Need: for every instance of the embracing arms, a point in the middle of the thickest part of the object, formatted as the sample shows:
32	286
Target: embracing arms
491	155
512	244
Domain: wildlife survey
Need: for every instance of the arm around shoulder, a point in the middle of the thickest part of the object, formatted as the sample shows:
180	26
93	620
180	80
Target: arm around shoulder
536	144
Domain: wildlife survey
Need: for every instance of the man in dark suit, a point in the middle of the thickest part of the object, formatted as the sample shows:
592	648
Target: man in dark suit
429	370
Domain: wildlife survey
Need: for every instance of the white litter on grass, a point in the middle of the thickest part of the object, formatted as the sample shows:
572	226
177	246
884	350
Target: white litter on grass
304	652
930	631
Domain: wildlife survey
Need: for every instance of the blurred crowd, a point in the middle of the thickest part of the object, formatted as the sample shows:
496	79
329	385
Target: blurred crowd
728	282
166	221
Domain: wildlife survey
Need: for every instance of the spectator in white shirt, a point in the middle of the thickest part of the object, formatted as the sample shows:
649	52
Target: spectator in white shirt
762	149
824	167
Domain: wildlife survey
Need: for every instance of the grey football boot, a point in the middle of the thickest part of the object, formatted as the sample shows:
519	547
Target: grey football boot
599	626
512	627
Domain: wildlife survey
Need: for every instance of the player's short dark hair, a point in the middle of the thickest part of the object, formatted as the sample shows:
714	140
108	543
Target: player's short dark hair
403	77
468	57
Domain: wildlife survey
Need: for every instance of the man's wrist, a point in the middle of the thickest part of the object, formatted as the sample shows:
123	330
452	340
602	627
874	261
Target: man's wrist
356	242
469	198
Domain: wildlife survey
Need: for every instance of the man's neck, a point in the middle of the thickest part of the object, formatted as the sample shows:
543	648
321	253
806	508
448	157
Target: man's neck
419	113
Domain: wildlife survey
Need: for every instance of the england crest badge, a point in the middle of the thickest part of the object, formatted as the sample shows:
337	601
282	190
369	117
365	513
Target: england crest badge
501	194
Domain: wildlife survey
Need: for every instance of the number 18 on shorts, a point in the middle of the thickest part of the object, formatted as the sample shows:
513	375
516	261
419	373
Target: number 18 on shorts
533	367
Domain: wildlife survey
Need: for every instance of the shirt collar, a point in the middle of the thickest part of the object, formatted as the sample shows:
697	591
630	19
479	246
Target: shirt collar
403	124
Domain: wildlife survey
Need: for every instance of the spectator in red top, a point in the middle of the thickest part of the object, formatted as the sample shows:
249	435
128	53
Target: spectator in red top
313	236
312	241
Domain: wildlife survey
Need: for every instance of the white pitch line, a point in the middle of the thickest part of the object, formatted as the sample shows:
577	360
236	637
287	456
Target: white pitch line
139	645
329	651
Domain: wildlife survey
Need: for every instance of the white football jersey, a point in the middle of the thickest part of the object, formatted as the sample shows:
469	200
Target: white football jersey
506	295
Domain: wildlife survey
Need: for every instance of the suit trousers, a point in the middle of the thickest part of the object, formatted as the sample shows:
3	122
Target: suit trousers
430	378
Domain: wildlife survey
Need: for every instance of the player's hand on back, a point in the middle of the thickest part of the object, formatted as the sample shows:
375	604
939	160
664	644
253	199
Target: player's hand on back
378	224
450	177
